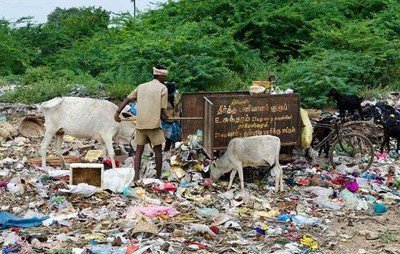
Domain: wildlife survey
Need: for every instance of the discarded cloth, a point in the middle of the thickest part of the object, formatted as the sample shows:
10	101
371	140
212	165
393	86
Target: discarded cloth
10	220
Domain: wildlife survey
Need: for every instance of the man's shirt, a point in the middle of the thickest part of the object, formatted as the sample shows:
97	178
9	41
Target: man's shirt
151	97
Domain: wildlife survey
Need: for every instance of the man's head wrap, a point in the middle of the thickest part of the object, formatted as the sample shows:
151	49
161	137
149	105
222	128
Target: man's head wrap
159	72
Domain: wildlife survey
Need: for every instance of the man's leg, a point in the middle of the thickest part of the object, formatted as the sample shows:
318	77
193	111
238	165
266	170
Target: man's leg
138	161
167	145
158	155
157	138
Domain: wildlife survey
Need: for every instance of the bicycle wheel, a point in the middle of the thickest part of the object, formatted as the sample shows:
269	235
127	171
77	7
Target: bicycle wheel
352	149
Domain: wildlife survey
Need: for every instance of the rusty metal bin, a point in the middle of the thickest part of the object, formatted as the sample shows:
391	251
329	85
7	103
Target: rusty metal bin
224	116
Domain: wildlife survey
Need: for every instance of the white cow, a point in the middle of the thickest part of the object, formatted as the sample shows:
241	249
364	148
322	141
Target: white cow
83	118
253	151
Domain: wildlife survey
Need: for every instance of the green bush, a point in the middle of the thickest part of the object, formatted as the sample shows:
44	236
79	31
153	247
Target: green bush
213	45
38	92
41	84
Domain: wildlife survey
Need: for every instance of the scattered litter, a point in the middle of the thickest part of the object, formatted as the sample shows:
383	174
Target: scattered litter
184	211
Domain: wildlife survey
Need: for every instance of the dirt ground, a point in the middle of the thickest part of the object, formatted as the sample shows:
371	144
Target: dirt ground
345	233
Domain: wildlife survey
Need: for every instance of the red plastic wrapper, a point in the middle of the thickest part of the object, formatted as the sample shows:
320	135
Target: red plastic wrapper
215	229
107	163
166	187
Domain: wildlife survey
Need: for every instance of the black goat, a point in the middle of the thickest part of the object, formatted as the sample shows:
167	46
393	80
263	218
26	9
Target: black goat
350	103
389	118
320	133
391	129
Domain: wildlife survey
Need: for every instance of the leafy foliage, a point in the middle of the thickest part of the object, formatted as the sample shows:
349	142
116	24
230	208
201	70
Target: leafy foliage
211	45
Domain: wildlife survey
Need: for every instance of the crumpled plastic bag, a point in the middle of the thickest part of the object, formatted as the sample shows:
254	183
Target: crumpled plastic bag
323	199
306	130
59	218
202	229
15	186
302	220
83	189
319	191
11	238
207	212
117	179
352	201
257	90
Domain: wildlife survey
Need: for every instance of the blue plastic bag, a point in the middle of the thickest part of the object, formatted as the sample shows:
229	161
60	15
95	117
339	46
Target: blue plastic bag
133	109
172	130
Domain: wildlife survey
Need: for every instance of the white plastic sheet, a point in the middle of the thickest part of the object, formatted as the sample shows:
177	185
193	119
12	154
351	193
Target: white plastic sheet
117	179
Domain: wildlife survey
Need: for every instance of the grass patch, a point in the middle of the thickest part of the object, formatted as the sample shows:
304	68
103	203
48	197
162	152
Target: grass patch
61	251
388	237
375	93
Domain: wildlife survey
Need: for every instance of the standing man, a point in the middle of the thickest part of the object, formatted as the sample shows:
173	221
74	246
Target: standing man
152	101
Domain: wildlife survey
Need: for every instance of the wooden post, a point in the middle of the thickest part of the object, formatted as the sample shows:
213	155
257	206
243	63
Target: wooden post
208	134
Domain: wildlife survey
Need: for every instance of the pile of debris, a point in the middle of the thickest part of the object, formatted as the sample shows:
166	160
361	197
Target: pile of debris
320	211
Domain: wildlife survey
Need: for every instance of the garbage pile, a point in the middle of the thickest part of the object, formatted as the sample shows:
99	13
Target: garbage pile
184	212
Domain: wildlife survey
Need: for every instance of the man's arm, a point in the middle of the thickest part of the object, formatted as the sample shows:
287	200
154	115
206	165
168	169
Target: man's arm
164	115
125	102
131	97
164	104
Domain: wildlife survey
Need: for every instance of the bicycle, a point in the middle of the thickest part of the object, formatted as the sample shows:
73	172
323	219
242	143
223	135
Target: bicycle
344	146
